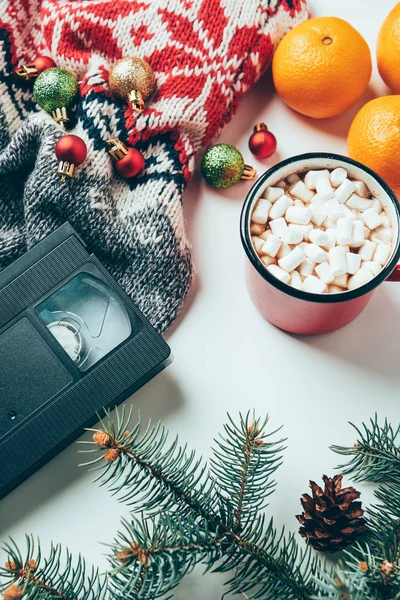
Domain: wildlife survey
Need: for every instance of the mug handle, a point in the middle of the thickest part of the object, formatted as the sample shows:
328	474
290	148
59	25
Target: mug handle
395	275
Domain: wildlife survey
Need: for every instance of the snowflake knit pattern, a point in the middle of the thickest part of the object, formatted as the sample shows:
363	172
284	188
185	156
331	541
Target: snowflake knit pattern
205	55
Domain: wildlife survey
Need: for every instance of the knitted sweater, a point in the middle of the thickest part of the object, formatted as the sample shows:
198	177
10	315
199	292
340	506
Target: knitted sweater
205	55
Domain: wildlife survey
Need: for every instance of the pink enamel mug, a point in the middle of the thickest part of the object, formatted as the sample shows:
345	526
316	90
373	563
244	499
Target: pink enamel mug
298	311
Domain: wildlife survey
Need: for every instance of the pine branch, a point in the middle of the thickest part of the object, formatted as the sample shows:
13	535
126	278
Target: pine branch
151	556
33	576
249	461
193	514
376	454
147	473
242	467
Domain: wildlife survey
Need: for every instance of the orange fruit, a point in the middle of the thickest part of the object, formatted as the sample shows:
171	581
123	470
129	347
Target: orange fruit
322	67
388	50
374	138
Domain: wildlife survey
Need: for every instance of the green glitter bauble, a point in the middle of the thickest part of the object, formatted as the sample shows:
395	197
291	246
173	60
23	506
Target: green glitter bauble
222	165
55	88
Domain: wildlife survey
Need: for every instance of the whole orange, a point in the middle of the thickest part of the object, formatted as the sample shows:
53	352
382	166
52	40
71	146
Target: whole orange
388	50
374	138
322	67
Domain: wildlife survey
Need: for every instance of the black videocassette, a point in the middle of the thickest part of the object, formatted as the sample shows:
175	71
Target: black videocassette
71	343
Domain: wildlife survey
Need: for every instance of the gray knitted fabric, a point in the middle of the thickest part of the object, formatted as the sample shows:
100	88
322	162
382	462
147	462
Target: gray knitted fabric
205	55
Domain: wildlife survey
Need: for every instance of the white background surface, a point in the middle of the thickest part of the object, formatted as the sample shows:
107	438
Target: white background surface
227	358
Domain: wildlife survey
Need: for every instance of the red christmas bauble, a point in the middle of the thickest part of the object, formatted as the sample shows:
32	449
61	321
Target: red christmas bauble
131	165
42	63
262	143
72	149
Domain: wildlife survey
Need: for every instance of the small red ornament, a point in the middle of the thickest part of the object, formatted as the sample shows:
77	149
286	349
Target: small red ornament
262	143
70	151
129	161
40	64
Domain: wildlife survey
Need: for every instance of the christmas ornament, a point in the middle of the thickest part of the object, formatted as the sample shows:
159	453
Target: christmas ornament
331	518
223	165
132	80
129	161
70	151
56	90
32	70
262	143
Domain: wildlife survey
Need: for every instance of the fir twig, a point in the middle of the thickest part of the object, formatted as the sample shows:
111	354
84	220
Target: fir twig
376	454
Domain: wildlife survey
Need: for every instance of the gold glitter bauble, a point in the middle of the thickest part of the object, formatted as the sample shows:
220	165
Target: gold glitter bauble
132	80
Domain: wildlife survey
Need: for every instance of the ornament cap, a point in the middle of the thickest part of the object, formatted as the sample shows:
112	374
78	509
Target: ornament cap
26	72
248	173
65	169
60	115
260	127
135	100
117	149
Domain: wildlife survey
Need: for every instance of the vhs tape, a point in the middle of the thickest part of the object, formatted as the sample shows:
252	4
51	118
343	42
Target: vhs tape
71	344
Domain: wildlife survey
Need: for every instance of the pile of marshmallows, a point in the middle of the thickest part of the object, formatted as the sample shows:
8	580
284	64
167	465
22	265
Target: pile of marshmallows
321	232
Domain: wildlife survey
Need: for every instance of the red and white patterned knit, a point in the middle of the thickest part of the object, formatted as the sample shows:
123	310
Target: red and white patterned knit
205	55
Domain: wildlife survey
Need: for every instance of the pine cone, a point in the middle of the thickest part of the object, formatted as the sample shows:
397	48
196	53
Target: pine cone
331	519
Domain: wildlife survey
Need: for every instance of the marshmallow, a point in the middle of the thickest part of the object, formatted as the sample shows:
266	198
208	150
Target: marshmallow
337	176
305	229
284	250
344	191
273	193
341	280
256	229
344	231
292	261
314	285
358	203
337	259
324	272
300	190
371	218
293	178
377	206
312	177
357	239
298	202
372	266
268	260
367	250
361	188
316	253
296	214
296	281
382	253
272	245
258	243
319	237
353	262
279	207
278	227
307	267
279	274
309	230
324	189
334	210
383	234
293	235
261	212
318	214
360	278
332	234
